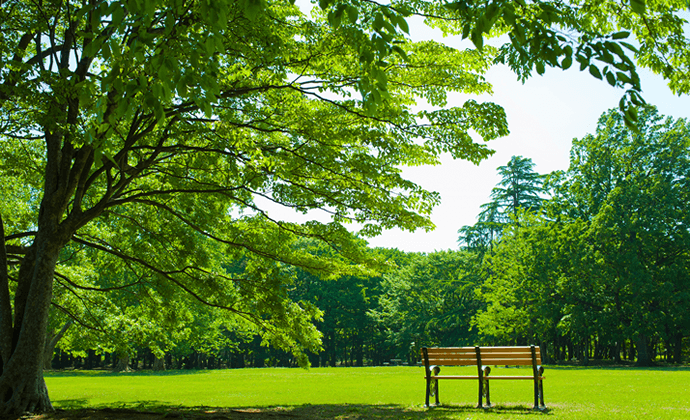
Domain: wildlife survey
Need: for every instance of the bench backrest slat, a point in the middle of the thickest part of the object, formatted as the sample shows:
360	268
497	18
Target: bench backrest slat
466	356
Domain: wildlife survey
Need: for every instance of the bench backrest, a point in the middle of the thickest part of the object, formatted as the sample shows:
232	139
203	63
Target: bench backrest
467	356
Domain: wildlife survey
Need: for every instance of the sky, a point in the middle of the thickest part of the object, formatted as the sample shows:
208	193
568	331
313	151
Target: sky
544	115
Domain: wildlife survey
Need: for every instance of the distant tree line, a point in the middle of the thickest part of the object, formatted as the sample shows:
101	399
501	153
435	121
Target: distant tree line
589	263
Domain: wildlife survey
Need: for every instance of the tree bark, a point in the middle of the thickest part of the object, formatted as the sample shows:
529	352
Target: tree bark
6	330
22	386
158	364
643	355
122	363
678	348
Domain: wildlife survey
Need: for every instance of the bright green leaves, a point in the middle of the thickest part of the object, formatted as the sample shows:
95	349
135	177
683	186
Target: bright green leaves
449	129
379	33
199	114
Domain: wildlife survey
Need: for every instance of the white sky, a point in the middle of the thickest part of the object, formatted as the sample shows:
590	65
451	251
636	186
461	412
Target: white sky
544	115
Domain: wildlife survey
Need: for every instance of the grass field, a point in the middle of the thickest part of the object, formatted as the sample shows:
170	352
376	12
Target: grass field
383	392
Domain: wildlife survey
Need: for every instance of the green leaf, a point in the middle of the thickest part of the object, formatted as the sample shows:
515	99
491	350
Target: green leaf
252	8
567	62
378	22
594	71
620	35
540	67
624	78
477	39
611	78
636	98
400	52
638	6
466	30
334	18
402	24
629	46
352	14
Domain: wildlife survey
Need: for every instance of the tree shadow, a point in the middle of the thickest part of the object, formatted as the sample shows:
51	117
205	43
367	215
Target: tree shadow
103	372
658	368
154	410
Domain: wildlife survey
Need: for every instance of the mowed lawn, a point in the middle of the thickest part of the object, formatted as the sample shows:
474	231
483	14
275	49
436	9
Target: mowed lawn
369	392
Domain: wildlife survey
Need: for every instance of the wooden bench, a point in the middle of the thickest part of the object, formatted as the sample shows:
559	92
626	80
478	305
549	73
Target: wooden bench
434	358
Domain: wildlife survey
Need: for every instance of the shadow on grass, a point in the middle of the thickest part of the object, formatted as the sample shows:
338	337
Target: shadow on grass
659	368
102	372
153	410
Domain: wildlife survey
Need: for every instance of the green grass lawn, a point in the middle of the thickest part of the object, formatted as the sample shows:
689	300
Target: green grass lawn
385	392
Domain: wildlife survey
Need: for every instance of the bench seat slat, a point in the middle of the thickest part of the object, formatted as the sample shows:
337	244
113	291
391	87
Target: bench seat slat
509	362
509	354
485	362
450	353
465	362
486	378
507	349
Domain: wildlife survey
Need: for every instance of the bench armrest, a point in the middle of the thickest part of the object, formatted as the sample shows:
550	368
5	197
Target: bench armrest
486	370
433	370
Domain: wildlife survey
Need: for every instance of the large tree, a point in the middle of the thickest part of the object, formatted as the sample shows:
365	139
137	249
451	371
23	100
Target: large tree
154	132
610	262
631	190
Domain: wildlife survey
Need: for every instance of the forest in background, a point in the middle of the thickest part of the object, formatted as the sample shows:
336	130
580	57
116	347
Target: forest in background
591	263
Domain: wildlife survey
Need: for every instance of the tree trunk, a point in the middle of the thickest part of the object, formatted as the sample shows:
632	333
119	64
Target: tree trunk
122	363
678	348
617	352
158	364
22	387
643	354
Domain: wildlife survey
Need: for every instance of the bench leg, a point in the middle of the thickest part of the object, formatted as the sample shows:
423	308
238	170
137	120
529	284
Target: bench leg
431	389
541	394
437	389
428	391
480	404
488	393
432	383
486	371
